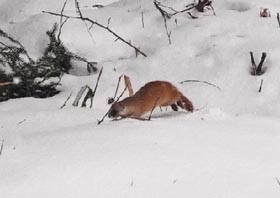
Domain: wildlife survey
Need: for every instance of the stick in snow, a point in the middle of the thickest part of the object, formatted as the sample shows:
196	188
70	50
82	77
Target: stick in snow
278	18
100	121
277	181
260	89
79	95
64	104
90	93
2	146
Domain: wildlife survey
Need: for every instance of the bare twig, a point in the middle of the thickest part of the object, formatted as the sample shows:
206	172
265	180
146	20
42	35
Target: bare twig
175	12
96	85
21	122
260	89
278	182
278	18
254	67
79	12
2	146
165	16
106	114
79	95
127	84
98	6
199	109
101	26
62	22
259	68
198	81
88	95
142	19
64	104
91	93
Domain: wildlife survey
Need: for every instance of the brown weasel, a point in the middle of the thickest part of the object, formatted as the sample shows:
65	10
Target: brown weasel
151	95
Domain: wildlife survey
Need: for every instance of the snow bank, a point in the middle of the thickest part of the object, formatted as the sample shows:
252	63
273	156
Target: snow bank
227	149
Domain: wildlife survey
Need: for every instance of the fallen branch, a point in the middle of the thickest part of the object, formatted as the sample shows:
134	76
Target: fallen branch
101	26
198	81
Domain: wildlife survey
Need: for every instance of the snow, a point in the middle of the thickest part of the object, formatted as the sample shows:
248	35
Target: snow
229	148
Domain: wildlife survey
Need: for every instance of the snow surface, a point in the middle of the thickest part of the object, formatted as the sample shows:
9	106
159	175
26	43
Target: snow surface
228	149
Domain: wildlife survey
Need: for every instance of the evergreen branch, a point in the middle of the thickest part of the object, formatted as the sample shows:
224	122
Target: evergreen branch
10	38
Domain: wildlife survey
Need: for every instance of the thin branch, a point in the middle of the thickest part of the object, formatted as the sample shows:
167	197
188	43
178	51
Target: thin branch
127	84
190	14
278	18
101	26
259	68
2	146
91	93
98	6
198	81
260	89
21	122
106	114
62	22
278	182
79	95
199	109
79	12
165	16
254	66
64	104
142	19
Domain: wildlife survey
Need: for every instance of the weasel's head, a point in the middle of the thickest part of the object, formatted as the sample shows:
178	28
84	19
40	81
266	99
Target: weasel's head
116	110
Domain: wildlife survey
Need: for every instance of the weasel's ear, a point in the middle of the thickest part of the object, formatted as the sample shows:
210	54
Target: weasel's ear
119	107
